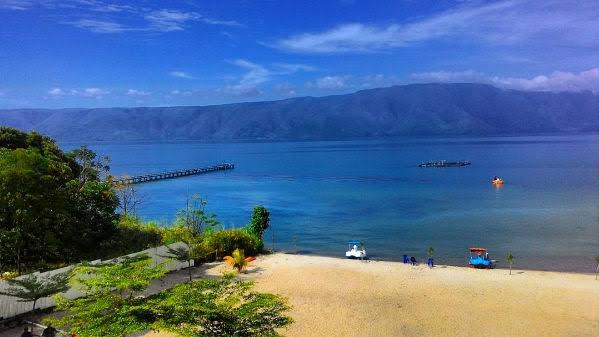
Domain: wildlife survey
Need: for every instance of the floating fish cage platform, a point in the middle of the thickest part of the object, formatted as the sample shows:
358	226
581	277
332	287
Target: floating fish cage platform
445	163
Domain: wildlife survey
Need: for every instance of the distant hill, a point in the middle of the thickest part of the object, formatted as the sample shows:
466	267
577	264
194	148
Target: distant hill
415	109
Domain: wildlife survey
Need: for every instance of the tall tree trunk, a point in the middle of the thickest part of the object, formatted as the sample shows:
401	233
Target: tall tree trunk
189	269
510	268
34	302
597	270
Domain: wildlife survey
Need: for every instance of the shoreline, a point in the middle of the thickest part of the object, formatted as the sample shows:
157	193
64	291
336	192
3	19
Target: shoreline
423	262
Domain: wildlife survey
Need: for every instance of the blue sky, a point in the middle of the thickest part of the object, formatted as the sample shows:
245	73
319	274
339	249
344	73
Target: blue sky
88	53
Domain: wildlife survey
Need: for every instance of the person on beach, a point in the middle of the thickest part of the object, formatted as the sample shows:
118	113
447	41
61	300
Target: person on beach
430	262
413	260
49	331
405	259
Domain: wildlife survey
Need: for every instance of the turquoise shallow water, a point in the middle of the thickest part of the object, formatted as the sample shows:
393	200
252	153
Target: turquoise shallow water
325	193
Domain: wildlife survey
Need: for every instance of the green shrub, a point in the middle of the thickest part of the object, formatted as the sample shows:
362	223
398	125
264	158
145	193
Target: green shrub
259	222
212	308
178	233
227	240
132	235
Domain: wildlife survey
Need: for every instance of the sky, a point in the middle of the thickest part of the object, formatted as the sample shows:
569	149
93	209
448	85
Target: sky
105	53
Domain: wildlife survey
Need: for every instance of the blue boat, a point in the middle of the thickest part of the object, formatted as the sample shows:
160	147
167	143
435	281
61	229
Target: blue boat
479	258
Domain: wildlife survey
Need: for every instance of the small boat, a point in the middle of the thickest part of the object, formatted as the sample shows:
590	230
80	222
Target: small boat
445	163
497	181
355	250
479	258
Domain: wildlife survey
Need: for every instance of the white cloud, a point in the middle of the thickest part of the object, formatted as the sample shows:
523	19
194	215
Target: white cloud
285	89
16	5
170	20
137	93
98	26
556	81
93	93
512	22
288	68
182	92
257	74
57	92
450	76
230	23
96	93
98	16
329	82
182	74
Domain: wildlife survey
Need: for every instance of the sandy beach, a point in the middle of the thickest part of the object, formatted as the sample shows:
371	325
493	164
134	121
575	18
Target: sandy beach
338	297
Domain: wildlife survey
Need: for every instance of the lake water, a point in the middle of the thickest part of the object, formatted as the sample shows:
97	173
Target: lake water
322	194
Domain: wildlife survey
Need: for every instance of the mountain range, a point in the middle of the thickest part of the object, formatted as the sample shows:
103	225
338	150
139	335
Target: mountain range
407	110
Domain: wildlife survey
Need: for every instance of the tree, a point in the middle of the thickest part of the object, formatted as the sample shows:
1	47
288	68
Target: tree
31	287
129	199
92	166
109	308
260	221
596	269
238	260
45	200
127	275
206	308
430	252
182	254
510	260
195	217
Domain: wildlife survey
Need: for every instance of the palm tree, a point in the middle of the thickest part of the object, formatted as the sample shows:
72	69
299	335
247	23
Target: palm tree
430	252
181	254
31	288
510	260
596	270
238	260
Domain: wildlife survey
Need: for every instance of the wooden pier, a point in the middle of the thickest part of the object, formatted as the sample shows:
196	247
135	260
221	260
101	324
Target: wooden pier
170	175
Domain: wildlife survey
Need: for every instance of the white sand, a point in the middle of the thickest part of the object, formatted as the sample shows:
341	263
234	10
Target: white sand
337	297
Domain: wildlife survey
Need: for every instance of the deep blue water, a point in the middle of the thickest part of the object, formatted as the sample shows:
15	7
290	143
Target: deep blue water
325	193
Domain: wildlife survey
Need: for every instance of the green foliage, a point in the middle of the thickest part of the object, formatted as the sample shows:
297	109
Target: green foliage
178	233
45	203
131	235
430	252
182	254
510	260
238	260
259	222
195	218
227	240
99	315
109	308
203	308
126	275
31	288
208	308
